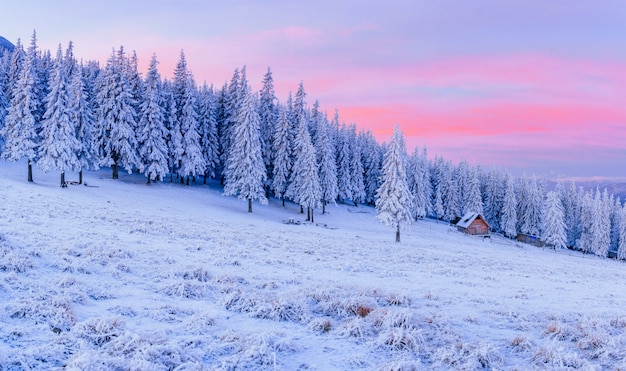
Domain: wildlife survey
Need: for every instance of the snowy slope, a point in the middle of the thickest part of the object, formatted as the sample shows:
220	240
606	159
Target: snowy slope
124	275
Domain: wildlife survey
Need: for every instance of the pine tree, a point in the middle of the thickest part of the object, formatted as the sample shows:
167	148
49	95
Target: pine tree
209	140
509	209
281	150
59	145
174	136
16	64
357	183
473	197
245	171
531	219
4	92
152	130
621	249
554	233
601	224
116	117
83	118
268	115
393	198
304	187
586	220
344	177
20	130
372	163
571	208
419	184
326	159
616	219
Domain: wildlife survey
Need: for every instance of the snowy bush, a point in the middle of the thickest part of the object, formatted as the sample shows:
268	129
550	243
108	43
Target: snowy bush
462	356
12	260
186	289
99	331
402	339
53	310
320	325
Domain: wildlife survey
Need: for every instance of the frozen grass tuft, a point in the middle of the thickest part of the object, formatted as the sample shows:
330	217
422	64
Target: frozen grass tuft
462	356
99	331
398	338
320	325
401	365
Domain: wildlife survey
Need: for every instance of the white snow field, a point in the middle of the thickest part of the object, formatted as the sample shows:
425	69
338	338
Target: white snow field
122	275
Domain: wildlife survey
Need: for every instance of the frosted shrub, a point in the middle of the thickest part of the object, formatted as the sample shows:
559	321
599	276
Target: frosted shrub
464	356
11	260
54	310
199	324
401	339
186	289
357	327
195	273
320	325
413	365
282	309
99	331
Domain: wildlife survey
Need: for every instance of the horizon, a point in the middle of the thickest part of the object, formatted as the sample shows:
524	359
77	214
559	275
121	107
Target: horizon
532	88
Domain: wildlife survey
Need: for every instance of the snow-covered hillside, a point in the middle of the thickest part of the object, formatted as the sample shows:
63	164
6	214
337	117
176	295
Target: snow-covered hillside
124	275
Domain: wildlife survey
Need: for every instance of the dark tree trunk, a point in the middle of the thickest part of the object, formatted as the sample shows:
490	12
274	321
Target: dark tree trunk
355	204
301	209
283	199
398	233
115	170
30	171
148	179
312	220
222	180
63	184
80	176
182	179
323	207
172	176
187	184
249	205
204	178
308	214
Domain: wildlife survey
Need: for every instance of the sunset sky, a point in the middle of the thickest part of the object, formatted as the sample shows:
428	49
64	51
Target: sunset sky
534	86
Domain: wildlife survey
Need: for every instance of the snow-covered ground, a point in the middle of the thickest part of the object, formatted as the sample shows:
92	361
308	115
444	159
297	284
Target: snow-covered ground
124	275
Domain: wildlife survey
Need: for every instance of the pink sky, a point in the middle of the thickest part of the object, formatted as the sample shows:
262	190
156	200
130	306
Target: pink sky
529	86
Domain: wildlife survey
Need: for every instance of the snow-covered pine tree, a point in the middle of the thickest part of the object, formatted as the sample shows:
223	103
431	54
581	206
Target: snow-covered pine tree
208	130
192	161
450	193
83	118
531	219
553	221
58	147
304	187
494	198
174	138
473	196
16	64
418	184
245	171
116	117
601	224
344	184
232	101
4	92
326	159
571	208
621	249
393	198
586	219
137	89
357	183
372	163
152	131
462	181
616	219
281	151
509	209
20	130
268	115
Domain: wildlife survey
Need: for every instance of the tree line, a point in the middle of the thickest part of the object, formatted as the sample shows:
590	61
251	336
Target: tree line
63	116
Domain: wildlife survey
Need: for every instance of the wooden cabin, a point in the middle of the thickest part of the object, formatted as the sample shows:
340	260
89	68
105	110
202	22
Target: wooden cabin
473	223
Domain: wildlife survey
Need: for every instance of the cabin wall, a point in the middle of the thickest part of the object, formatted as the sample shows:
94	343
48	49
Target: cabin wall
478	226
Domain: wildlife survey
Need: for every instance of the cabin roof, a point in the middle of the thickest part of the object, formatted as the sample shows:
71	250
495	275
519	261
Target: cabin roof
468	218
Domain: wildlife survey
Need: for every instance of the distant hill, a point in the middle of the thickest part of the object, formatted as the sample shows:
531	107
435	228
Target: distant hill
6	45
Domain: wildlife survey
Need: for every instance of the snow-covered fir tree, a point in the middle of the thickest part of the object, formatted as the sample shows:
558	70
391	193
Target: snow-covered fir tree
16	64
473	198
601	224
357	183
152	131
616	219
232	101
508	222
326	159
58	147
393	198
245	171
553	222
174	136
450	193
4	91
207	122
621	245
304	187
419	184
82	116
494	197
116	117
372	164
268	115
571	209
344	178
531	217
192	161
20	130
281	151
586	219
